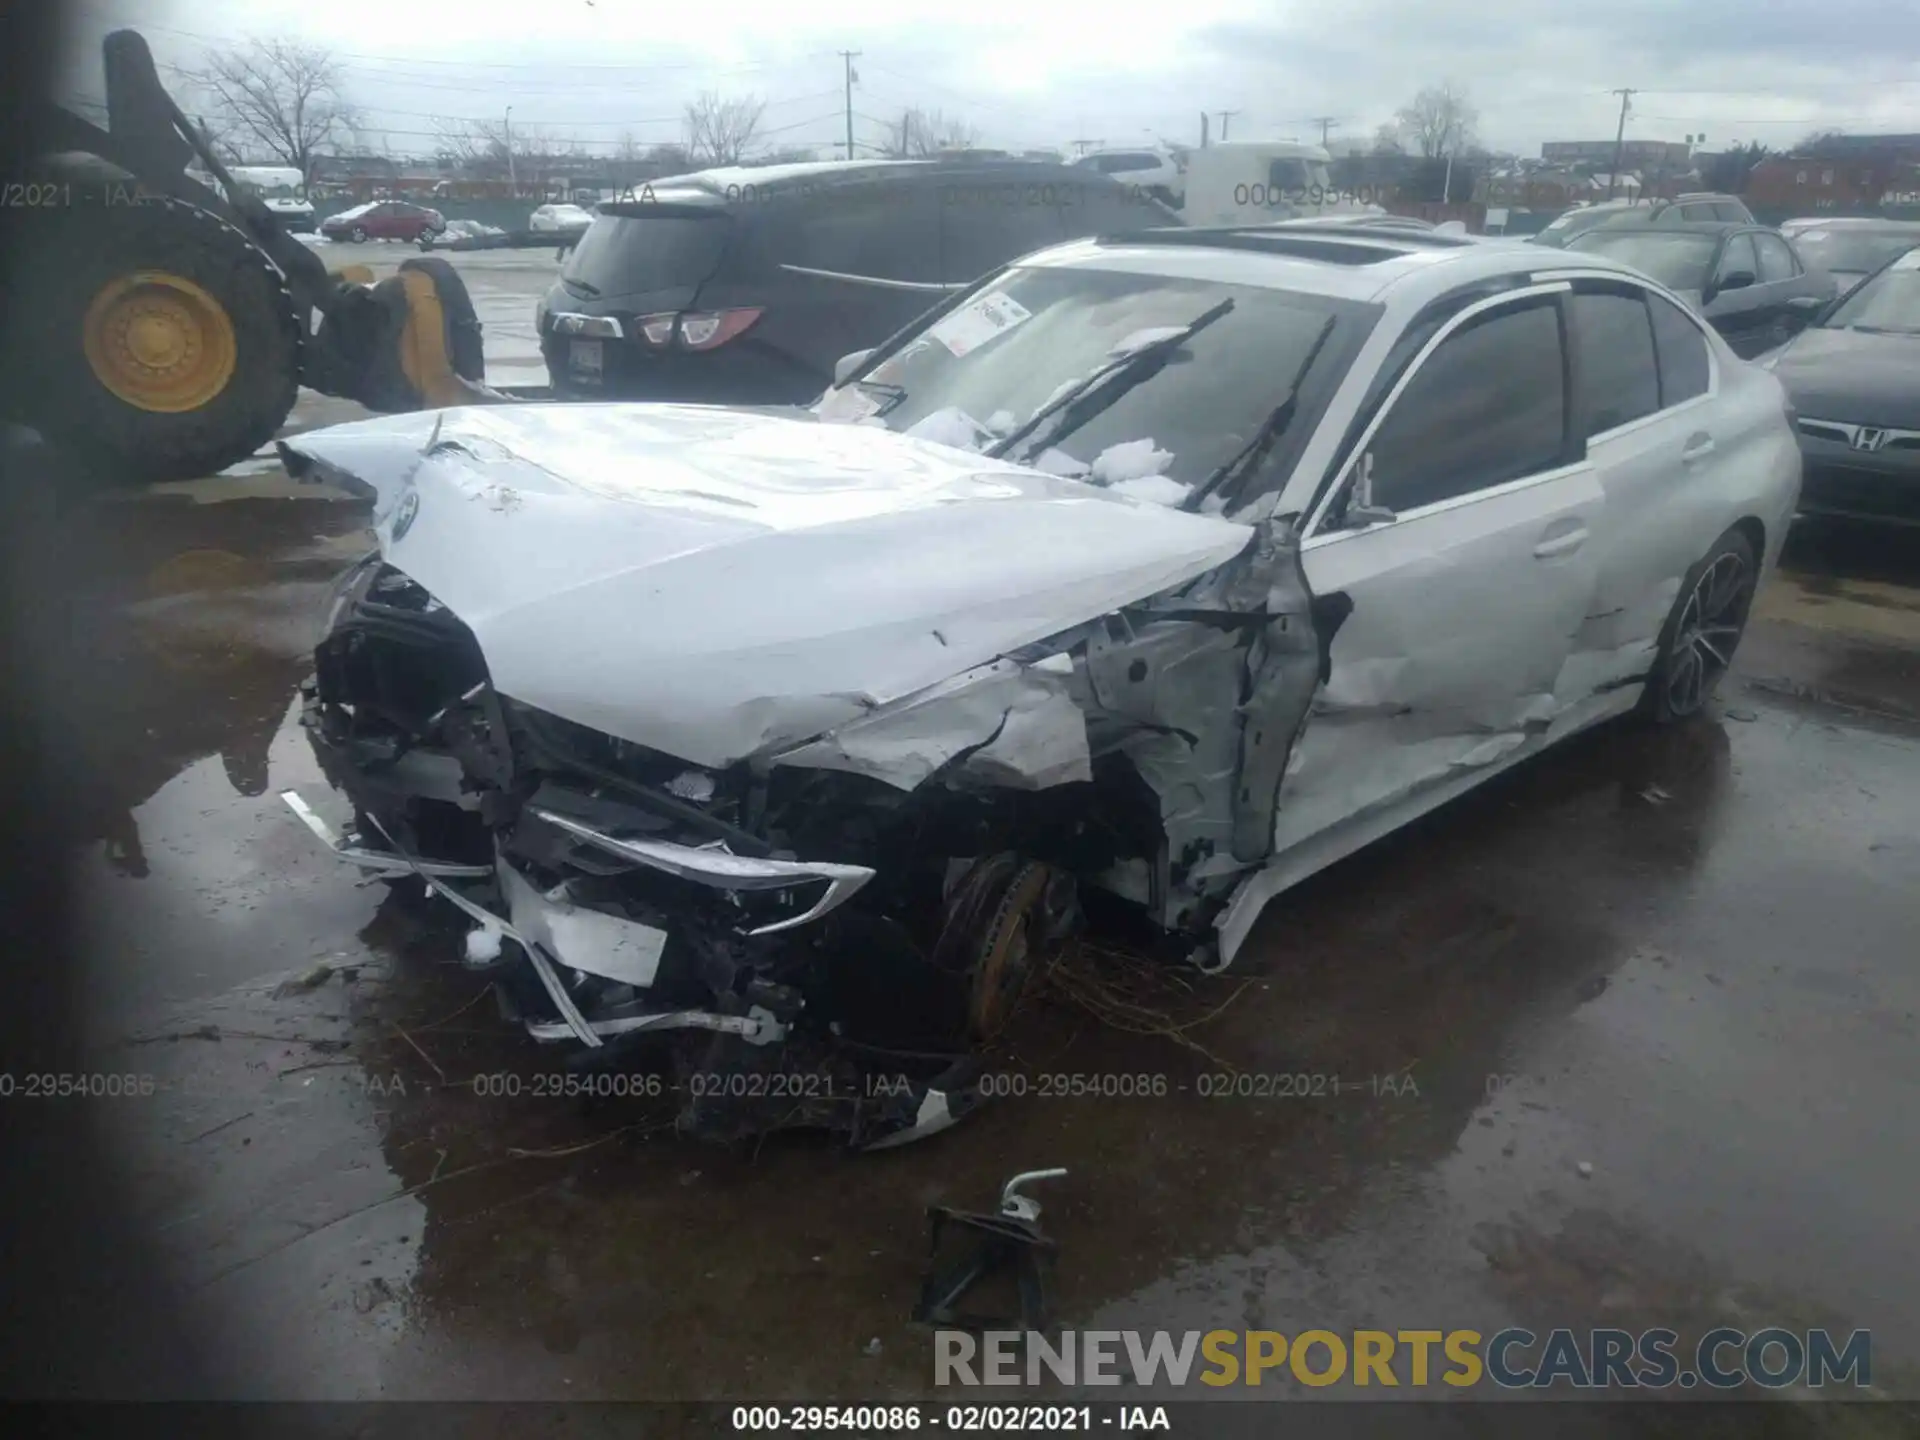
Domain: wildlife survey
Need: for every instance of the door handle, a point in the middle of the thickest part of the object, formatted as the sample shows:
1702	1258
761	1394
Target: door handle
1564	544
1698	448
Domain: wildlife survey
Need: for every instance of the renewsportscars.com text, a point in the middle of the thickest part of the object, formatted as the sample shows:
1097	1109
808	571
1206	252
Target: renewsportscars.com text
1600	1359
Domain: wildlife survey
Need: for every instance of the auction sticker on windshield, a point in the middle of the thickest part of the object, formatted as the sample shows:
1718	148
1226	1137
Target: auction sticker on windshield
978	321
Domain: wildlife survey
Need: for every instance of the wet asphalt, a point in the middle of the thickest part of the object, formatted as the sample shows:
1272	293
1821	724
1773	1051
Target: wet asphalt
1626	1037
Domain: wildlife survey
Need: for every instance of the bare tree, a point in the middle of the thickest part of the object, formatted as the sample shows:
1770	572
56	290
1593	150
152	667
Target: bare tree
918	134
1440	121
1386	141
719	131
279	96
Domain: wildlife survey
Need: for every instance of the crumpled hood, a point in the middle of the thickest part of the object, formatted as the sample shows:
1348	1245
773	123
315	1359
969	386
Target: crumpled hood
1853	376
713	583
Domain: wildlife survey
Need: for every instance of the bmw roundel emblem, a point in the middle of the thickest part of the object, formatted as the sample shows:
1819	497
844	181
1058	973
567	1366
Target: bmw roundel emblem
403	517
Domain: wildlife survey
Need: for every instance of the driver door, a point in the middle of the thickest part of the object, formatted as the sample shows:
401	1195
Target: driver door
1464	584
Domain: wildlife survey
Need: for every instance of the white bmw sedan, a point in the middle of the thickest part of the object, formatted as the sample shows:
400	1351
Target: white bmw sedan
1177	565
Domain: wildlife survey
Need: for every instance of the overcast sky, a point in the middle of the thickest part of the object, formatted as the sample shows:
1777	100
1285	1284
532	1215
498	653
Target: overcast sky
1029	75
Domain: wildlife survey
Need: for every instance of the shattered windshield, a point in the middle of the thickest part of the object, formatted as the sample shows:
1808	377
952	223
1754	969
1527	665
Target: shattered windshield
982	371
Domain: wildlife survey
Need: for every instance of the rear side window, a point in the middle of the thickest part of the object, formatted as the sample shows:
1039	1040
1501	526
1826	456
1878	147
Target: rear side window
1776	260
1693	214
888	228
983	227
628	255
1487	407
1614	367
1728	210
1738	257
1681	350
1288	175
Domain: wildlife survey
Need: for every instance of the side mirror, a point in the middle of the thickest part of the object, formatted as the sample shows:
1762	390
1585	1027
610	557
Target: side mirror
847	364
1360	507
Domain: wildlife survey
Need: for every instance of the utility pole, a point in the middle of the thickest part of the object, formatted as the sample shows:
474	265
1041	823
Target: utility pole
506	133
847	57
1225	116
1325	122
1619	140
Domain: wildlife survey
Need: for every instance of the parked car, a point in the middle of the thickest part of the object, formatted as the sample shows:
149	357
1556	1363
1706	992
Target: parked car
1745	279
1258	181
1854	379
1851	249
560	217
462	234
1176	566
1692	209
1365	222
1160	173
383	220
746	285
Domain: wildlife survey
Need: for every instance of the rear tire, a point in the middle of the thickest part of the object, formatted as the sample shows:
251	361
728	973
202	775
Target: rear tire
1698	642
65	285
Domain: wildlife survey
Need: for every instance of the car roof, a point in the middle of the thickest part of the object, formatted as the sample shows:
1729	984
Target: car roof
1859	222
1368	264
1697	227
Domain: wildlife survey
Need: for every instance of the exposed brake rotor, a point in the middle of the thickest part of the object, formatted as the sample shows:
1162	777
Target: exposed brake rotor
1004	919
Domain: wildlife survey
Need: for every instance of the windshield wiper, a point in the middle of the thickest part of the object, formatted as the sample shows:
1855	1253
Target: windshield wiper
1131	368
580	286
1251	455
891	394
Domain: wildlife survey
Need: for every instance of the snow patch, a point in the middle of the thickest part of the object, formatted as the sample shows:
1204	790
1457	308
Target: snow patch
1130	460
483	945
1055	461
1140	339
948	426
1156	489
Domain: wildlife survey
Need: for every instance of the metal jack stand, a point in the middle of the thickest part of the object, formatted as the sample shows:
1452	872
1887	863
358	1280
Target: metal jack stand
1009	1240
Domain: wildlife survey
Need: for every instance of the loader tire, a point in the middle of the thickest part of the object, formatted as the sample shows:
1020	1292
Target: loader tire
156	341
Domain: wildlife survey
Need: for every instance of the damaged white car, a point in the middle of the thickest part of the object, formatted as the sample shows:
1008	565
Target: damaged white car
1171	568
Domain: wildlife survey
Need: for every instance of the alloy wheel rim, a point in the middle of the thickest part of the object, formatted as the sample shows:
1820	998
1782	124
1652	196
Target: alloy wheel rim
1709	630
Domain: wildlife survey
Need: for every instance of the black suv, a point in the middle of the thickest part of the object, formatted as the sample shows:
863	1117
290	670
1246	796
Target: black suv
744	286
1694	209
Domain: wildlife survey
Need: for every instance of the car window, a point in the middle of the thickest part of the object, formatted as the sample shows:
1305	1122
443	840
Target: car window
1738	256
1288	175
1681	350
1487	407
1614	369
982	227
1727	210
889	229
1776	260
1678	258
635	252
989	366
1889	301
1850	249
1692	214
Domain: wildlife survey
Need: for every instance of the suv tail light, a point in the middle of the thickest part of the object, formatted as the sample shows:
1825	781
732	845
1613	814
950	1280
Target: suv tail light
698	329
711	329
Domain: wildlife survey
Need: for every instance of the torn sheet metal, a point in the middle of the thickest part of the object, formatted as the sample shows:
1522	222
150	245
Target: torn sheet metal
589	940
788	576
1015	725
724	871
